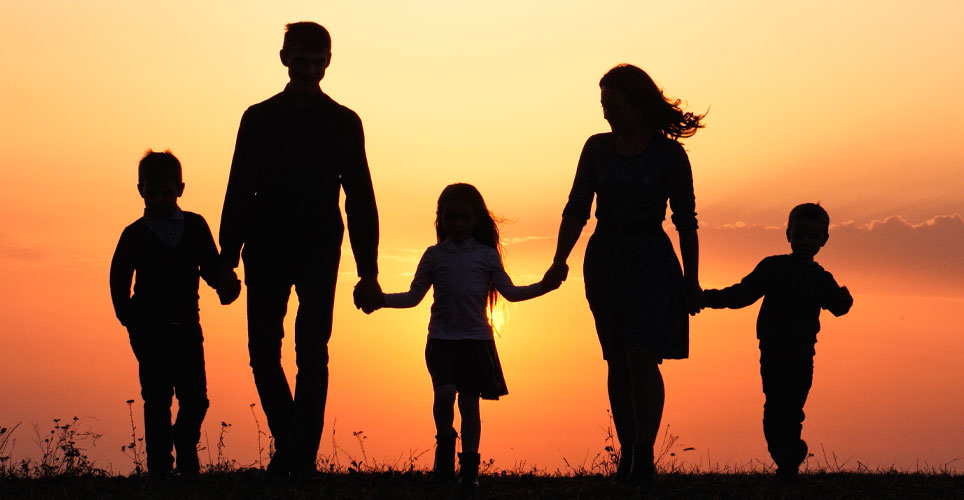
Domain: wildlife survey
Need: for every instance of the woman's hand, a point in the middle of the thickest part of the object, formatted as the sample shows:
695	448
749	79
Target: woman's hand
695	299
557	273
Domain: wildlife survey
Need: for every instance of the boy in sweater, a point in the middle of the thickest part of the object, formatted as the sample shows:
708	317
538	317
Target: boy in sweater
794	290
166	252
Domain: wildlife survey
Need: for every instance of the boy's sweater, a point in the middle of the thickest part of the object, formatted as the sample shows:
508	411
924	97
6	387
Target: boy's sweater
166	282
794	290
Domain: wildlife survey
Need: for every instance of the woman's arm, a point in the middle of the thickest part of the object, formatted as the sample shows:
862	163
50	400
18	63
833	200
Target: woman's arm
569	230
689	246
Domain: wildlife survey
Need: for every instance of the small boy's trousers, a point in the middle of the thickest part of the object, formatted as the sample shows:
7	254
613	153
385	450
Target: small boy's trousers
171	363
787	373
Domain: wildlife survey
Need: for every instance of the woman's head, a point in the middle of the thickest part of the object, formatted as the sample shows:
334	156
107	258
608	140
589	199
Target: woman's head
627	86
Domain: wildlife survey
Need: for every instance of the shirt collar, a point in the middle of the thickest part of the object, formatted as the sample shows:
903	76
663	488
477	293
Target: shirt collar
178	215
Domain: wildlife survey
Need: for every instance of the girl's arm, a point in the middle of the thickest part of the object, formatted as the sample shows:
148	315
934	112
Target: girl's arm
503	283
419	287
689	246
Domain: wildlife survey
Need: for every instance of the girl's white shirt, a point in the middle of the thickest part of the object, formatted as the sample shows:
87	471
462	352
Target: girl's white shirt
460	274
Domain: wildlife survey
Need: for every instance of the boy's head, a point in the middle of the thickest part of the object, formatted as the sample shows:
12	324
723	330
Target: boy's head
808	229
159	183
306	52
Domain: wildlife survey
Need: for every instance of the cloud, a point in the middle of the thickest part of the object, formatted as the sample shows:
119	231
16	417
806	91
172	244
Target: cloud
20	248
891	254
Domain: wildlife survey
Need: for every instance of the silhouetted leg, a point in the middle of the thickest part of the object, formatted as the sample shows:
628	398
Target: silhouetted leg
316	300
648	395
190	386
157	391
621	405
267	306
787	376
443	411
471	422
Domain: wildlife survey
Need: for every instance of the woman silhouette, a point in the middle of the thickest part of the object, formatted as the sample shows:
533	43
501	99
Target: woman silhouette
637	293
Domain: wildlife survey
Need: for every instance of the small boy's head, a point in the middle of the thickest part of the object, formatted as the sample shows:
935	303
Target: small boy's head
808	229
159	183
306	52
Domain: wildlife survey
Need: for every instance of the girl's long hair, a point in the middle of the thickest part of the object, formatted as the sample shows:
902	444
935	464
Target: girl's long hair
486	227
661	114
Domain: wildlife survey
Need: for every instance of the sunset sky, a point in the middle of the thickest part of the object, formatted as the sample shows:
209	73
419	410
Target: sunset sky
856	105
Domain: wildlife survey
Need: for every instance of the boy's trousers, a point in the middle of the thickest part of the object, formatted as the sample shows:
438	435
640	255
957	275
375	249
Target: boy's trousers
171	363
787	373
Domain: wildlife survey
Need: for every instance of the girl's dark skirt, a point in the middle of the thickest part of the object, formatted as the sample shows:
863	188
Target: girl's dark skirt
472	366
636	292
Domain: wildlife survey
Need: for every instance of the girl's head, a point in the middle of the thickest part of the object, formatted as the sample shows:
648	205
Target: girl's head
643	103
462	214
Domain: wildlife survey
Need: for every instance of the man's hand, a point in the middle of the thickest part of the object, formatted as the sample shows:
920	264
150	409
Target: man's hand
229	286
368	295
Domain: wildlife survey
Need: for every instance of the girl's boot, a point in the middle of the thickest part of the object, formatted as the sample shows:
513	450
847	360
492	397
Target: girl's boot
468	476
444	467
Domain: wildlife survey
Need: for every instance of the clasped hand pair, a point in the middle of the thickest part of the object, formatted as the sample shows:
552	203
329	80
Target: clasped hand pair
368	295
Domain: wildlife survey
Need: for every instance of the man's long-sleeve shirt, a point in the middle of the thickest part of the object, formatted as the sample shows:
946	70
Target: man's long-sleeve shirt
282	199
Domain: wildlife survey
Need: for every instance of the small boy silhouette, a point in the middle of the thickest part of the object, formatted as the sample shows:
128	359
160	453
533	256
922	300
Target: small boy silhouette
794	289
166	251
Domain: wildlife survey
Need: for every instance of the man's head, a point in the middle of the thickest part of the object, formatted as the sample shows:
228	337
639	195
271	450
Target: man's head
159	183
808	229
306	52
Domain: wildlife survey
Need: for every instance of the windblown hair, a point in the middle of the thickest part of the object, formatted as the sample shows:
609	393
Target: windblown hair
159	166
486	228
307	35
810	211
661	114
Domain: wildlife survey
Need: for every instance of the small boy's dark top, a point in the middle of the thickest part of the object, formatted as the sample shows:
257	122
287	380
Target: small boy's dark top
167	277
794	290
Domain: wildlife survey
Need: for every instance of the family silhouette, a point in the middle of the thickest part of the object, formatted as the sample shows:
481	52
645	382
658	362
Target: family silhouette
296	152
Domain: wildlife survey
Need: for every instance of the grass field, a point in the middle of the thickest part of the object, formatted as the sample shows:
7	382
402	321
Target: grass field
251	484
63	471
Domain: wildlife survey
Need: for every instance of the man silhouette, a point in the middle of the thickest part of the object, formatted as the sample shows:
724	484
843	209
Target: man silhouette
294	153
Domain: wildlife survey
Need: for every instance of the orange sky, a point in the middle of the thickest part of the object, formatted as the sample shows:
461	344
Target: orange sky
857	106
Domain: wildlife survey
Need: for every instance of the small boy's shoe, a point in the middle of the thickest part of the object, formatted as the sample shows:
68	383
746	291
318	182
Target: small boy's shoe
625	465
643	471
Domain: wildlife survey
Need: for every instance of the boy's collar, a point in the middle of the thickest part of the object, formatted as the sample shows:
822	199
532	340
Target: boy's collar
177	215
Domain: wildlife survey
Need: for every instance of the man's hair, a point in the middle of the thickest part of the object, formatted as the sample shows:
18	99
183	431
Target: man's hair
810	211
307	35
158	166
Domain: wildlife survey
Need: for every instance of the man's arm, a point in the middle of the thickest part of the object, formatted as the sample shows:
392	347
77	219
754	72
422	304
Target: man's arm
360	208
239	194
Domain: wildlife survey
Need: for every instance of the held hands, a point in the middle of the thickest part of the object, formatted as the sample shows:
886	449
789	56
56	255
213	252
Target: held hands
368	295
229	286
695	299
555	275
846	298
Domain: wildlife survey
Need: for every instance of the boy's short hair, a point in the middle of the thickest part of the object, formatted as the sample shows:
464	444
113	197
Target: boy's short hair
307	35
810	211
159	166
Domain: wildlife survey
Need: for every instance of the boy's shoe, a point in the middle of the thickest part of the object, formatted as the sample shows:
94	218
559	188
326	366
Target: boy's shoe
643	471
188	465
625	465
444	466
278	468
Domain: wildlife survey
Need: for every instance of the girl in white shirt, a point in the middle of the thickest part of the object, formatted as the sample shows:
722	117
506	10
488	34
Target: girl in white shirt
465	269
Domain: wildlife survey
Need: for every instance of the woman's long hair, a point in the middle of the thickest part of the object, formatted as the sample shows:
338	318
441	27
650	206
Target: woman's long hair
486	227
661	114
